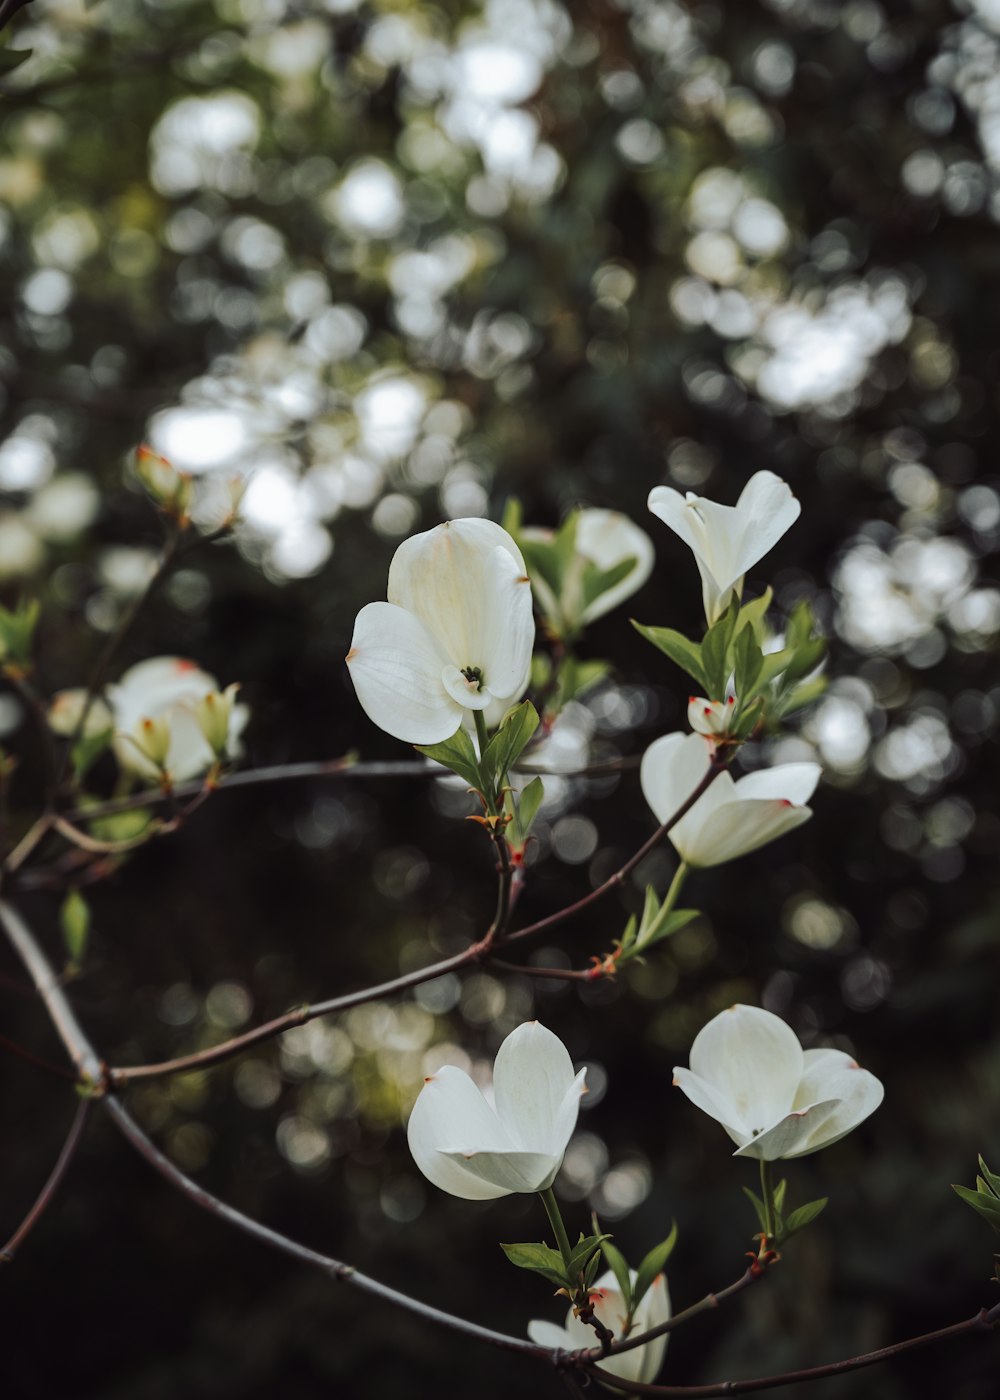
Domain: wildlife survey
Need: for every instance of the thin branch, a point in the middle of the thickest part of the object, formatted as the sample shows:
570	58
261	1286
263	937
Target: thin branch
93	846
985	1321
554	974
716	767
345	767
51	1186
61	1014
706	1304
26	845
13	1048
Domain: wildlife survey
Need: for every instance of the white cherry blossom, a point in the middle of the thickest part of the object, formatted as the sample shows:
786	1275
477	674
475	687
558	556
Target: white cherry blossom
478	1150
730	818
774	1099
728	540
455	635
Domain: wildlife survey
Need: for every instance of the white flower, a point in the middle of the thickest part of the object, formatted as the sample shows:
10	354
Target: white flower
455	635
774	1099
730	818
475	1150
711	717
66	710
604	538
642	1364
168	689
728	540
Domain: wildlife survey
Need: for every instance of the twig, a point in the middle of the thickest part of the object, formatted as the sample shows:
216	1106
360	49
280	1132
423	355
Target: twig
706	1304
26	845
50	1188
716	767
986	1320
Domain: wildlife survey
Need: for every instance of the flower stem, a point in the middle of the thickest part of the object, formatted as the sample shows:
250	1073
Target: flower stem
767	1196
556	1221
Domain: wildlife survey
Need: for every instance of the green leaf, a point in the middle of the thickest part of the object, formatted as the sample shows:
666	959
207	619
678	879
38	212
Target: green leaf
13	58
652	1265
509	742
513	517
74	918
527	806
564	544
584	1250
800	625
628	937
673	923
992	1180
758	1206
618	1265
986	1206
458	754
752	615
684	653
779	1196
87	750
804	694
540	1259
541	559
801	1217
747	660
806	658
772	665
17	625
597	581
575	677
715	653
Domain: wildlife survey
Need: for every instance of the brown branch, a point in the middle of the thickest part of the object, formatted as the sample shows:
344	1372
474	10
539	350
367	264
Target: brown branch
706	1304
986	1320
717	766
50	1188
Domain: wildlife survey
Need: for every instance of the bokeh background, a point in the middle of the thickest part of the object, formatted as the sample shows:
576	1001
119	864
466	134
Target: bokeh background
396	262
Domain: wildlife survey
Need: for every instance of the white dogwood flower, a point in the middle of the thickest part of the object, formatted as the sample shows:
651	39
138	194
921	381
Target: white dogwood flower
711	717
728	540
642	1364
168	690
478	1150
455	635
604	539
730	818
774	1099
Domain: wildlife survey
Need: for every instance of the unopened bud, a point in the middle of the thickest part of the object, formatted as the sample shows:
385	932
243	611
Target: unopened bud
152	738
171	490
712	718
214	714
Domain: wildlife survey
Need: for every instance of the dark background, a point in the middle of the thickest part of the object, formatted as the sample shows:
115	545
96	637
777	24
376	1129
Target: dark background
603	319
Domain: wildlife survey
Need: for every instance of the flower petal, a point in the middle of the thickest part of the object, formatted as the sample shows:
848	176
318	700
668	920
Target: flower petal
766	509
786	1137
396	667
508	627
794	782
606	537
440	576
547	1334
672	767
713	1101
509	1170
536	1091
736	828
654	1309
831	1074
449	1112
754	1060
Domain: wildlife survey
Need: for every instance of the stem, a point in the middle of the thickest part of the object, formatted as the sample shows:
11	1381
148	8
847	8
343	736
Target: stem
50	1188
556	1221
483	735
706	1304
767	1196
613	881
673	893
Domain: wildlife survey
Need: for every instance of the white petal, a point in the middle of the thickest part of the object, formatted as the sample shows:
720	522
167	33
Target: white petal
509	1170
767	509
396	667
736	828
469	694
449	1112
536	1091
672	767
830	1074
794	782
753	1059
654	1309
787	1137
672	508
440	576
547	1334
508	627
606	537
712	1101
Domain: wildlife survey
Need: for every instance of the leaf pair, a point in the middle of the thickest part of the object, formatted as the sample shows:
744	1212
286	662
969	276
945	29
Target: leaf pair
575	1275
784	1228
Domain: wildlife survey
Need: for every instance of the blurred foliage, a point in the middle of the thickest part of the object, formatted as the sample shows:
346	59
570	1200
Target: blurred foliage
398	261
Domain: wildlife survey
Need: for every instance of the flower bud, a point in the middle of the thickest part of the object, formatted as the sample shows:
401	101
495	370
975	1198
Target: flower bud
711	717
152	738
66	710
214	713
171	490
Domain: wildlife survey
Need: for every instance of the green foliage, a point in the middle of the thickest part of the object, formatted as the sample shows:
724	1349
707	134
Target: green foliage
74	920
985	1200
17	632
574	1274
652	1264
508	743
457	753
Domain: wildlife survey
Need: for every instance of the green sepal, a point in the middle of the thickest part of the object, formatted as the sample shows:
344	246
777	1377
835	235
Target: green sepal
458	754
652	1265
683	652
618	1265
539	1259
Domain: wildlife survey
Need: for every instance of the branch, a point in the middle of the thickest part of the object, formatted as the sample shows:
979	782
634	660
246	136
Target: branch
51	1186
706	1304
716	767
984	1321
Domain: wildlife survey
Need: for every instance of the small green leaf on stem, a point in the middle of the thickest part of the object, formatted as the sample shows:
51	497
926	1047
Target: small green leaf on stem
618	1265
652	1265
457	753
801	1217
683	652
74	918
539	1259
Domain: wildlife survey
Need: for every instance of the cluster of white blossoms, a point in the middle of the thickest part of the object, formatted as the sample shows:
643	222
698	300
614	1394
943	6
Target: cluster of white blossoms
449	653
164	717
